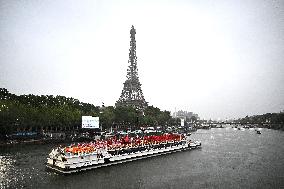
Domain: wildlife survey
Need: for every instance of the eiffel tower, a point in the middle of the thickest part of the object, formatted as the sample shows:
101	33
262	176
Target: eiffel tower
132	94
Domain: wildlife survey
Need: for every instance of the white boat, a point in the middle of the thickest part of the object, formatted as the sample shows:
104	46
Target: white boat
68	160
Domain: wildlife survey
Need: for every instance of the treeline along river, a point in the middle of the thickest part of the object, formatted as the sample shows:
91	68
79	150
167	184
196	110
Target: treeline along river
20	114
229	158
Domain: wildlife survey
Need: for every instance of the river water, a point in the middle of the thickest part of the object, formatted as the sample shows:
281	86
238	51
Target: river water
229	158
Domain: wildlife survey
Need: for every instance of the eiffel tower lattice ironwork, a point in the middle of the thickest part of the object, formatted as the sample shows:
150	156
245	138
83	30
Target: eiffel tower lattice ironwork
132	94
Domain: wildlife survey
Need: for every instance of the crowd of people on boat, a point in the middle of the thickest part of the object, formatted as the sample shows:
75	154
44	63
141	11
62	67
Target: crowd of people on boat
124	144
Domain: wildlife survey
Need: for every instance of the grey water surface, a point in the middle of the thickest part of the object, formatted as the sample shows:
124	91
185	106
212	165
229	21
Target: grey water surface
229	158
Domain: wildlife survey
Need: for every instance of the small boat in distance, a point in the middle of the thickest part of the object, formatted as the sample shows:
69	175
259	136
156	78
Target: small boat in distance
258	132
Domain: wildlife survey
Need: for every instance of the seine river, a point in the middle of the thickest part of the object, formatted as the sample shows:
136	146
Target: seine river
229	158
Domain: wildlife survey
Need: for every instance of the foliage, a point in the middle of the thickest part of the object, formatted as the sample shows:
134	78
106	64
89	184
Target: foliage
32	112
273	120
48	112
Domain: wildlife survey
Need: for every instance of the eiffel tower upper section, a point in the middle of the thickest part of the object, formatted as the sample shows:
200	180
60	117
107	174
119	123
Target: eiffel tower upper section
132	94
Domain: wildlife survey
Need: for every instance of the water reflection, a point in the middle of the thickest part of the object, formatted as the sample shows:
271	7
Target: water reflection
6	171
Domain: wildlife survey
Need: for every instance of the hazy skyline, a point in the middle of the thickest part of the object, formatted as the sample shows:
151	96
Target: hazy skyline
220	59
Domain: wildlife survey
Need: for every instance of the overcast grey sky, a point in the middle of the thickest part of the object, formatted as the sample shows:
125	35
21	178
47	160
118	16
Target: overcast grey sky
220	59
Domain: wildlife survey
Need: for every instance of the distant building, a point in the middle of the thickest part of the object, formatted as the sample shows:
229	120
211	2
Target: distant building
185	115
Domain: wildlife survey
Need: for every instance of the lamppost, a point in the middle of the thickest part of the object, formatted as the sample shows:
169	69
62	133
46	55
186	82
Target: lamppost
137	117
100	118
101	115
